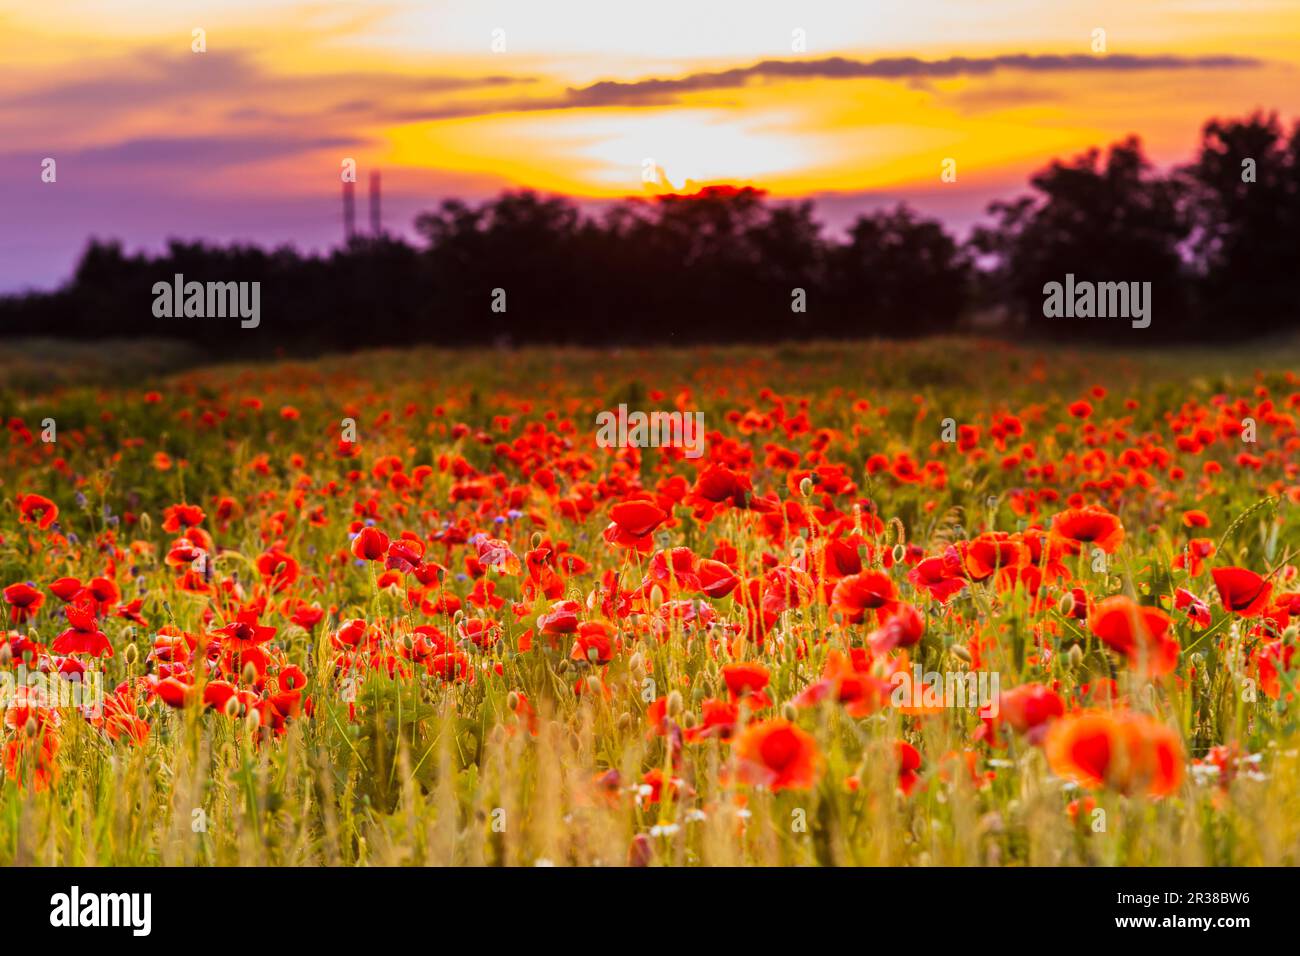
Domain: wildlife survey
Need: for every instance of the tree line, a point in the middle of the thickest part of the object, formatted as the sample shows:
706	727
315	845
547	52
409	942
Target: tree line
1216	239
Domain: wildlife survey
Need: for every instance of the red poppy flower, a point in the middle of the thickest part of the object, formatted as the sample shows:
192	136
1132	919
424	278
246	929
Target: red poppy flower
370	544
562	618
1139	633
1197	610
174	692
1029	709
1127	752
1092	525
594	642
848	680
637	518
83	636
716	579
38	509
24	601
993	552
1242	591
779	755
746	682
244	633
717	719
718	484
1193	556
902	628
181	516
937	576
65	589
859	593
909	762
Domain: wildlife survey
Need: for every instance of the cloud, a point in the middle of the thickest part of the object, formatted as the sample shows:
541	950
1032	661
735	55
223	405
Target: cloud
662	92
150	80
197	152
659	91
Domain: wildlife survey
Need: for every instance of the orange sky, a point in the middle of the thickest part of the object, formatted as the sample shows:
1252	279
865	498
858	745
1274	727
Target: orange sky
590	98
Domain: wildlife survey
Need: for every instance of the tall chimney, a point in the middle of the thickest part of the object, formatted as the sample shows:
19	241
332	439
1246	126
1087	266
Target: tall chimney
349	212
376	220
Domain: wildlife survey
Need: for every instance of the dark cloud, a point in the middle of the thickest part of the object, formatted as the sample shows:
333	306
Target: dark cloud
198	151
917	72
149	78
659	91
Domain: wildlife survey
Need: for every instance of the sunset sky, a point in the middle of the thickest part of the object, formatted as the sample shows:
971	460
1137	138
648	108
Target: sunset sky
245	140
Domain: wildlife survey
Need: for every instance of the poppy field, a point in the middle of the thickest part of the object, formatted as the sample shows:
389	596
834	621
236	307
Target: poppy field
401	608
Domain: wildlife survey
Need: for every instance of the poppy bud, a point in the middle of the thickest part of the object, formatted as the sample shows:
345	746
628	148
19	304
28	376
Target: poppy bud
1290	634
536	539
249	673
131	654
232	707
31	727
900	552
789	712
253	720
636	665
1066	605
674	704
688	720
6	655
512	700
624	720
1075	654
806	487
562	667
960	652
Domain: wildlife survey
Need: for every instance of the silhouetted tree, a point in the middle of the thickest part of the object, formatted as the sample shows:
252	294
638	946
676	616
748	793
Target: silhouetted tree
1100	222
900	276
725	264
1245	189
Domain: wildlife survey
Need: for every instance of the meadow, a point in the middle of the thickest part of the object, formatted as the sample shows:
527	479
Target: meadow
401	608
